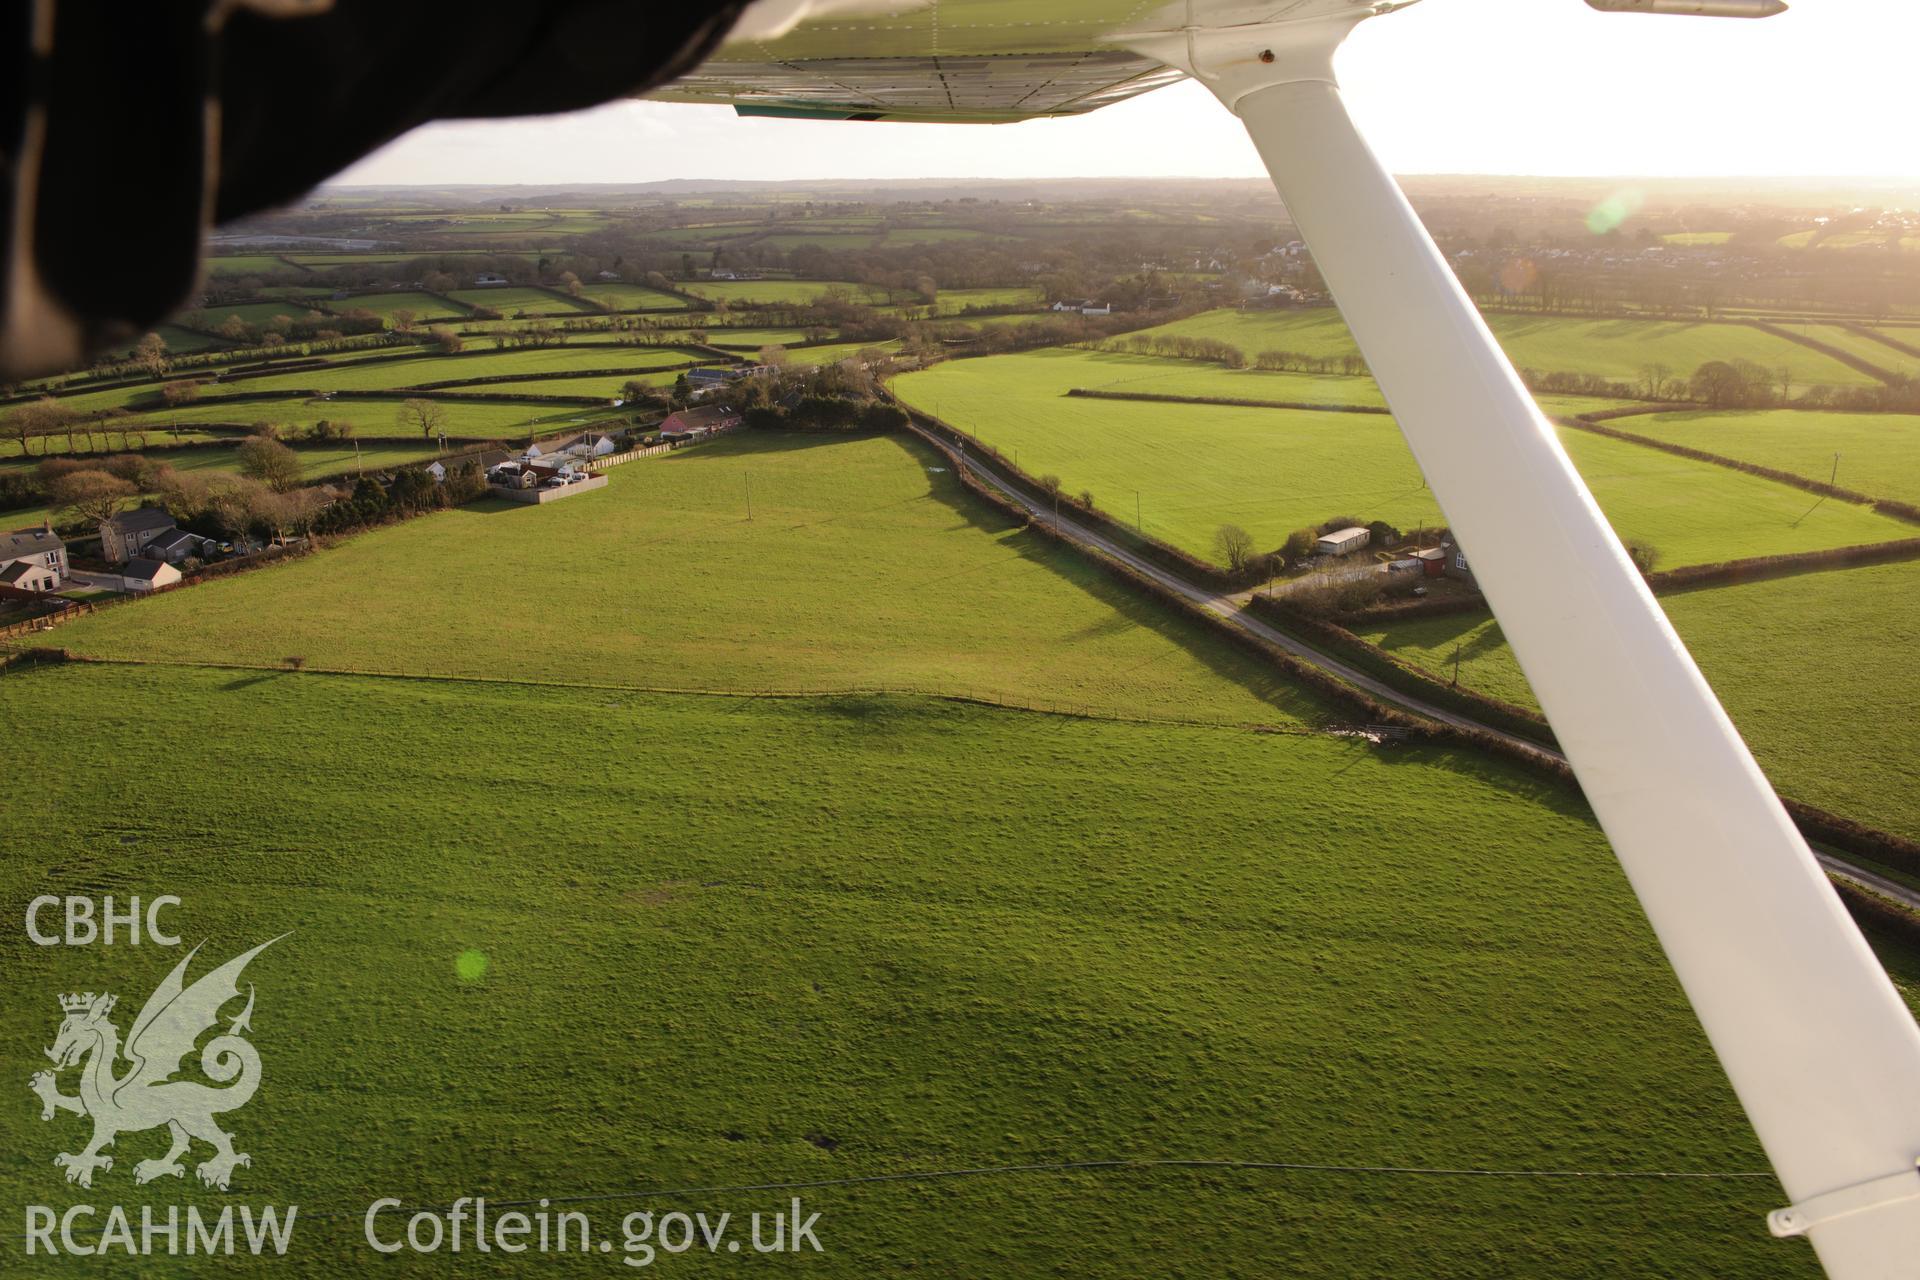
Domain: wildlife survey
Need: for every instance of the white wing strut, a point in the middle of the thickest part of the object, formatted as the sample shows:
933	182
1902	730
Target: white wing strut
1820	1049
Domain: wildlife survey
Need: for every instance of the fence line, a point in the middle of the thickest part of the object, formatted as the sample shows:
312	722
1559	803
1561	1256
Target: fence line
46	621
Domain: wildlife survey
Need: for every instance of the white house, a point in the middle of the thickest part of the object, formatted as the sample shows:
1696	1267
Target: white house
438	471
33	559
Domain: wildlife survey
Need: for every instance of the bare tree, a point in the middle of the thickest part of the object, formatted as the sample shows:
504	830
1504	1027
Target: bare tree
430	417
44	417
1233	545
92	495
403	318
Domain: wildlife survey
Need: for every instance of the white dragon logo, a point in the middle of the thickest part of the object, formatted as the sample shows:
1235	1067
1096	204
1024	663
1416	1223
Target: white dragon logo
146	1096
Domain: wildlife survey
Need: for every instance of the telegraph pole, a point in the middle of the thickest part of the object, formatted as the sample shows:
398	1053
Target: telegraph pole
1834	480
1136	514
748	476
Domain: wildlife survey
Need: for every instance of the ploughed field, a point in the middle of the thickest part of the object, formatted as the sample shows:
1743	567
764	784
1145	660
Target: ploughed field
1816	671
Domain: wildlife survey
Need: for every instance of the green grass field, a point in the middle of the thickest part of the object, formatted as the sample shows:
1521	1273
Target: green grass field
254	313
510	299
1272	471
476	362
1874	353
754	930
1879	452
906	594
836	240
386	305
606	386
178	340
465	419
739	292
954	300
317	462
749	339
248	264
104	447
900	236
1815	669
630	297
834	352
1616	349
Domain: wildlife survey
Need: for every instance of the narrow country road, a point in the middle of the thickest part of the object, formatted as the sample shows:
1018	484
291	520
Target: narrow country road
1226	607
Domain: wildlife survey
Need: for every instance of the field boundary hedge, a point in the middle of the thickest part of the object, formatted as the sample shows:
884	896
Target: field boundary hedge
1817	825
1330	687
417	352
1883	339
1667	581
1830	351
1409	677
1869	908
1171	558
1151	397
547	377
437	393
1885	506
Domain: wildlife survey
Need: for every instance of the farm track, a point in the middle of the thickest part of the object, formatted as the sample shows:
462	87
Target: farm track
1228	609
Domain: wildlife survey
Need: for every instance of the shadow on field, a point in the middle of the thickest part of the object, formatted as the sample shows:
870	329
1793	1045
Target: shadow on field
1130	607
247	682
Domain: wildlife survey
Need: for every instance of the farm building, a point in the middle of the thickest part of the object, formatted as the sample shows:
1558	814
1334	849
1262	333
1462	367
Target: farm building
438	470
128	534
557	452
1343	541
486	278
142	574
1456	563
697	424
534	481
709	378
33	559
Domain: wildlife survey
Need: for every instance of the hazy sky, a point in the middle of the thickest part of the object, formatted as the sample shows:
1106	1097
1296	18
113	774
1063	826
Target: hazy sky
1448	86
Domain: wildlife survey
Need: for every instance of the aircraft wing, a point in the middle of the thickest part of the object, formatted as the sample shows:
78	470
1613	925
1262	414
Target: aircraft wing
948	61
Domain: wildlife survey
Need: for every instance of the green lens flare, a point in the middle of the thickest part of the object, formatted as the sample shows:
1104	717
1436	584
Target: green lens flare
1613	211
471	966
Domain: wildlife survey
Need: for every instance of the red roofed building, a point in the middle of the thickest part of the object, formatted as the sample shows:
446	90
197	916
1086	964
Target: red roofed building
704	421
